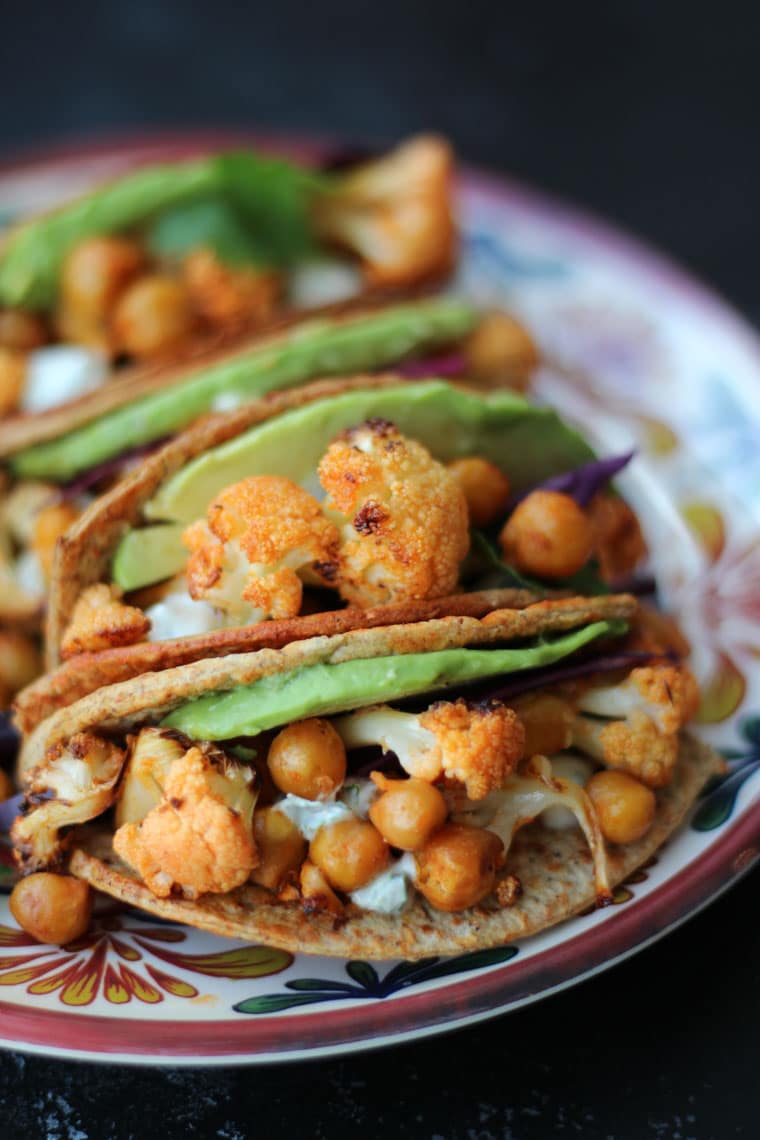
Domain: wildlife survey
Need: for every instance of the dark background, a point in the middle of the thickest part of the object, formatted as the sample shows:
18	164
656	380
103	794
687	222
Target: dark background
645	112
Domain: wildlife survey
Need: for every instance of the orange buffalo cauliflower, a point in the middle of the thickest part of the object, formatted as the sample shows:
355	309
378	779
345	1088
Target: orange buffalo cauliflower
478	746
101	621
666	693
258	537
199	838
635	745
227	296
403	516
395	213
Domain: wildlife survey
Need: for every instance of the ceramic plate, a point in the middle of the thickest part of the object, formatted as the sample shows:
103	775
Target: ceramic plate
637	354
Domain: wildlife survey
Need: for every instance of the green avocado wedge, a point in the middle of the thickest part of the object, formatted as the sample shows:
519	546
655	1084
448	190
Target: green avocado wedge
317	347
527	442
324	689
269	195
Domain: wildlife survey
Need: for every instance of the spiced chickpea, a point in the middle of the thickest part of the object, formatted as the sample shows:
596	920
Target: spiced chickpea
485	487
50	523
280	845
547	535
12	379
407	812
21	330
94	275
308	759
153	316
548	722
349	853
500	352
625	807
52	908
457	867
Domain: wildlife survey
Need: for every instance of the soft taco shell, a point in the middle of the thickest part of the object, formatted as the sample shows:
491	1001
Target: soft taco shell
554	869
151	696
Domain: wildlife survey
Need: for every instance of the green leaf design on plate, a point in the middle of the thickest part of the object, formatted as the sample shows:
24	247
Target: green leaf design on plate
275	1003
320	984
364	974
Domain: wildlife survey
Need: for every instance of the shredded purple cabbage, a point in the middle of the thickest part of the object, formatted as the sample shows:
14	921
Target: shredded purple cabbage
532	679
9	809
107	468
583	482
451	365
642	585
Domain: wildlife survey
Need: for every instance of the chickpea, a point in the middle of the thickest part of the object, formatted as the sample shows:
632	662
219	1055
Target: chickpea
280	845
153	316
625	806
408	811
485	487
548	535
51	522
12	379
52	908
95	274
6	786
20	661
349	853
457	867
22	331
308	759
548	723
501	352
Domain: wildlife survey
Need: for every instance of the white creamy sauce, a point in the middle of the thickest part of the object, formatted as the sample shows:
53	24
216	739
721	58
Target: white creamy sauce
578	771
29	574
226	402
178	615
310	815
60	373
323	282
387	892
359	794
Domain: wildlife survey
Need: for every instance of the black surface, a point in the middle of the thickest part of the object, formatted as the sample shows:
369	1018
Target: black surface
647	112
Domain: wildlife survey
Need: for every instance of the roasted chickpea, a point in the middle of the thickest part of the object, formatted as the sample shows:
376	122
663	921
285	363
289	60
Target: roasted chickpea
51	522
625	806
548	723
308	759
22	331
20	661
153	316
548	535
349	853
12	379
52	908
457	867
94	275
280	845
618	541
485	487
501	352
6	785
408	811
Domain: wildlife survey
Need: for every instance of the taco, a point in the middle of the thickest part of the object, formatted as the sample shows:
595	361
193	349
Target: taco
379	793
125	577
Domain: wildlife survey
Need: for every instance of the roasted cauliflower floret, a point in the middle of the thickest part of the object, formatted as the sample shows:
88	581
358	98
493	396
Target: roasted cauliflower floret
635	745
260	538
395	213
228	296
150	755
75	783
199	838
668	694
403	516
479	746
101	621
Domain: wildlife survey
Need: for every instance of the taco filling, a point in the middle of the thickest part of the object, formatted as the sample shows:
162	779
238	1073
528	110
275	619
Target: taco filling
367	775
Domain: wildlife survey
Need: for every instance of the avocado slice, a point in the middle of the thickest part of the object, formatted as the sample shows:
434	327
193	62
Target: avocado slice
321	690
527	442
152	559
315	348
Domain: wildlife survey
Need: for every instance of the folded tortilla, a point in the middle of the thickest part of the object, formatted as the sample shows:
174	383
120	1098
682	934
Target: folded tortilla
554	867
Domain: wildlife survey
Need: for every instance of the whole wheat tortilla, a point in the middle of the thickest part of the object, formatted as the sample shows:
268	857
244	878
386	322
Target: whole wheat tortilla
151	696
83	555
554	869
